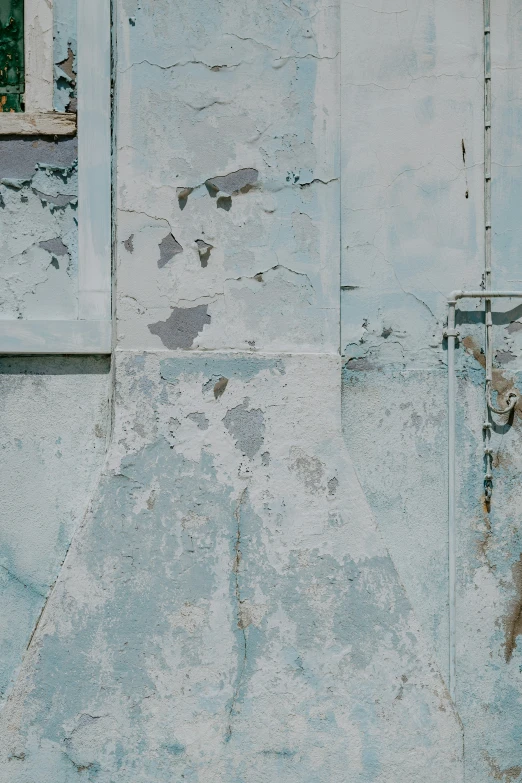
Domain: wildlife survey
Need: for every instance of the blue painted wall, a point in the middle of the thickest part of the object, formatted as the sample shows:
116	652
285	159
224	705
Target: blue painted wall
258	589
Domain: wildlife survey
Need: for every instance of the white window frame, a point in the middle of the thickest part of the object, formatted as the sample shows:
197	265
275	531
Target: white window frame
92	332
39	116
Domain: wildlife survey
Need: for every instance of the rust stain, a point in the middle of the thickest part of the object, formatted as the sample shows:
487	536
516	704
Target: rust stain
513	621
500	383
485	540
472	348
506	775
501	460
220	387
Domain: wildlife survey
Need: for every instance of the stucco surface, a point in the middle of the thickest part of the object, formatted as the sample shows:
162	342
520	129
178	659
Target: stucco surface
413	230
228	611
232	141
55	417
259	588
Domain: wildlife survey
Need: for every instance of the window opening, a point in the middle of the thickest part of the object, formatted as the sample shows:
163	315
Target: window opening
12	71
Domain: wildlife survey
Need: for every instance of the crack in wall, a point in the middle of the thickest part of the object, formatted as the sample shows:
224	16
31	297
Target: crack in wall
182	64
21	582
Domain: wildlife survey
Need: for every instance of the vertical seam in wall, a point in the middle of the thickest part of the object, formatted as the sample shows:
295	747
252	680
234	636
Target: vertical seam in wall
341	178
113	75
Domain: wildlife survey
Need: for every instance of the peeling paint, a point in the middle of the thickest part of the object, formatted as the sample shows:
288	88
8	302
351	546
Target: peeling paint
169	247
241	605
181	327
204	250
231	184
247	427
251	595
220	387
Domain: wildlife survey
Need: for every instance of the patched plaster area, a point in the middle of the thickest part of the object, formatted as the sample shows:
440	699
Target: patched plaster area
222	613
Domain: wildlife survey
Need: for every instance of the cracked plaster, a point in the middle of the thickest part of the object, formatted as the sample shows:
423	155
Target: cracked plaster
228	609
412	231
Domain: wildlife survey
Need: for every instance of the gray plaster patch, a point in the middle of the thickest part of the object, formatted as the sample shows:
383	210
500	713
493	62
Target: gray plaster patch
181	327
309	469
504	357
55	246
265	458
129	244
19	156
514	326
359	364
204	251
247	427
168	247
224	202
199	419
233	182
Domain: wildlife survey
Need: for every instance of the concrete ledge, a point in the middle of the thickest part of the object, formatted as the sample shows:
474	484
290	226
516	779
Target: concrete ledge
74	337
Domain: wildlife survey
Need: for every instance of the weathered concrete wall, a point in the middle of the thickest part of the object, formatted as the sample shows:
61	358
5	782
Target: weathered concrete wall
55	416
55	410
228	610
413	230
252	596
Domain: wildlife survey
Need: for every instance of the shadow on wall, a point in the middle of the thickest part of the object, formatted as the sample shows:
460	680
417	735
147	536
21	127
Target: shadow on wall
54	365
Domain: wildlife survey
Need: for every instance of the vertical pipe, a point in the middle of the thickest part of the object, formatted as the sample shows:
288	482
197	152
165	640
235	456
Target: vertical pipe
452	585
512	397
487	194
451	334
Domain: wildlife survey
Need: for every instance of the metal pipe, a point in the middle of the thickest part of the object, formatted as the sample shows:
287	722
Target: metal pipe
451	334
487	294
481	294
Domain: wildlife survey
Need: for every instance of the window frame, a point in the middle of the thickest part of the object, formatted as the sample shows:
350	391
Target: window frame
39	116
92	331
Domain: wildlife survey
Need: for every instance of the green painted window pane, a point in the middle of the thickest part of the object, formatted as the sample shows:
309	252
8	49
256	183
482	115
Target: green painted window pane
12	78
